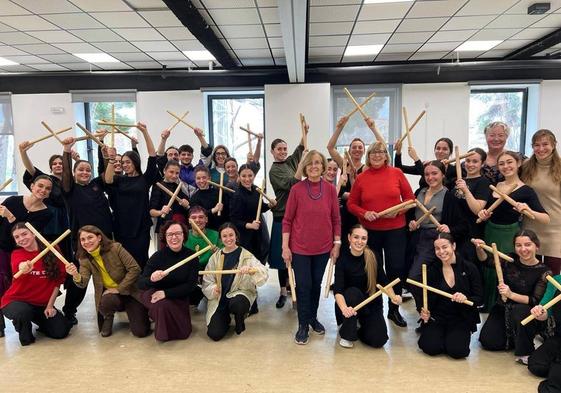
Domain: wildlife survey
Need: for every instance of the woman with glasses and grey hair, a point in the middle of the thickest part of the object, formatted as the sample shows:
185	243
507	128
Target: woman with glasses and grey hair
496	135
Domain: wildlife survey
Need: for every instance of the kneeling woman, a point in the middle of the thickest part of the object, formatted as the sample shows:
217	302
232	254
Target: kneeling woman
166	295
31	297
356	274
233	294
448	326
114	272
524	285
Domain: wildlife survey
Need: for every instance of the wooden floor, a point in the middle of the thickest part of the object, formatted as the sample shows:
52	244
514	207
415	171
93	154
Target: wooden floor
263	359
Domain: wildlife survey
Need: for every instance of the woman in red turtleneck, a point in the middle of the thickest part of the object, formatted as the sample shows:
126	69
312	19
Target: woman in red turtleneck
375	189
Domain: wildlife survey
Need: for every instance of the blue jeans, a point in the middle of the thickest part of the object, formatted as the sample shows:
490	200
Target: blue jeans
308	272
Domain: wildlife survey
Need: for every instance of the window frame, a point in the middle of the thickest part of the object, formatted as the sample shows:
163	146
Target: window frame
6	99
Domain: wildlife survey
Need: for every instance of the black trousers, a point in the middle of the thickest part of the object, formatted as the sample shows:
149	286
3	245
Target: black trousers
74	294
136	312
137	246
308	272
389	246
373	330
493	335
220	321
543	358
24	314
450	338
553	382
283	277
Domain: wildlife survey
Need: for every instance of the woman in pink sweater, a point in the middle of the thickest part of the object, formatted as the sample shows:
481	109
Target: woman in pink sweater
311	234
379	187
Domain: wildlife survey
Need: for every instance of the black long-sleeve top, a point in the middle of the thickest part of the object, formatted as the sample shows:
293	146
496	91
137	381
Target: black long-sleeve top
350	272
504	214
467	280
131	211
14	204
523	279
179	283
208	198
419	169
479	188
55	202
159	198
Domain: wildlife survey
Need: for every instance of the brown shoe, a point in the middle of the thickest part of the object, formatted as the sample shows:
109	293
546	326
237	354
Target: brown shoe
107	327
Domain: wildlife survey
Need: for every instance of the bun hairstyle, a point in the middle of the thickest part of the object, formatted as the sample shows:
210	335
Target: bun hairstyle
527	233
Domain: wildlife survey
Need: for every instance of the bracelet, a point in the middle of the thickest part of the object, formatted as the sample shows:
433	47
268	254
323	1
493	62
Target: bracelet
337	242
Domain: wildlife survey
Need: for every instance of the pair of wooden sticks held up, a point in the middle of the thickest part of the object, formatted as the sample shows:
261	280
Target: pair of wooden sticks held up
549	304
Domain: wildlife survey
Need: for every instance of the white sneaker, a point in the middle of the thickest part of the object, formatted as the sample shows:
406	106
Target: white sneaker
346	343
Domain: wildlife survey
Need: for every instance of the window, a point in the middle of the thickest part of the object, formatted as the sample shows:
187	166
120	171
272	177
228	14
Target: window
7	160
227	112
90	107
383	108
508	104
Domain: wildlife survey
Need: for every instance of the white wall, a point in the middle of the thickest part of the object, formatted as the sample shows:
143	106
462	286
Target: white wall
550	105
28	111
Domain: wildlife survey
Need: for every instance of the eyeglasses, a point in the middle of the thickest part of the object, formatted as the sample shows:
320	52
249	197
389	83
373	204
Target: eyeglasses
222	154
374	152
174	234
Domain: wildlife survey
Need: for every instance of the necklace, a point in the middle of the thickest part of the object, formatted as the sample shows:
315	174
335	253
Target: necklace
314	197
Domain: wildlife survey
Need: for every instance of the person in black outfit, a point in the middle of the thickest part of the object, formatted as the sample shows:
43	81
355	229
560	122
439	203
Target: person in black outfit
130	192
524	285
448	323
166	295
356	274
207	197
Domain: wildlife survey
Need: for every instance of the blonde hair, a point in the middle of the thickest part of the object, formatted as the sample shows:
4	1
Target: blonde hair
530	167
370	263
308	160
494	124
376	146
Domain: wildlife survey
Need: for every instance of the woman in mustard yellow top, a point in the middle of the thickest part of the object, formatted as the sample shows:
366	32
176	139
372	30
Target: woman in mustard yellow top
114	273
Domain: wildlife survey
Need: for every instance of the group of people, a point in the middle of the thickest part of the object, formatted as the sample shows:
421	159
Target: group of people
323	209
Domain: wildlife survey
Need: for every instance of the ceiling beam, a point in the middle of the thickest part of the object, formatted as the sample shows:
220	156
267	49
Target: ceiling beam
188	14
292	15
531	49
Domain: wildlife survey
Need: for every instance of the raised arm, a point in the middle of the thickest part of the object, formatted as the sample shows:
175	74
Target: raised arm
23	148
67	178
257	151
149	144
163	139
333	141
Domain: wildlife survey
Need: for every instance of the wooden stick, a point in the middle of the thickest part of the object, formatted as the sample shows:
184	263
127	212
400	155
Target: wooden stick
303	129
220	186
497	202
425	210
201	233
489	249
178	121
511	201
549	304
218	276
437	291
449	160
385	292
47	244
113	120
498	267
267	197
328	279
88	133
50	135
399	206
260	203
112	124
375	295
51	131
425	215
220	191
292	283
249	142
361	105
407	129
425	291
181	120
188	259
350	161
45	251
173	198
249	131
124	133
458	166
377	134
164	189
233	271
412	126
6	184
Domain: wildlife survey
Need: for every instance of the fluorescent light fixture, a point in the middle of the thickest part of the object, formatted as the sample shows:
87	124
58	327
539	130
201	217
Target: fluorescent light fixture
198	55
96	57
386	1
6	62
476	46
363	50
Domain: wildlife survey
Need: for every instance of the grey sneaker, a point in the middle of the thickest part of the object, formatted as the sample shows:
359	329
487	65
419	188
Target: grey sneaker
317	327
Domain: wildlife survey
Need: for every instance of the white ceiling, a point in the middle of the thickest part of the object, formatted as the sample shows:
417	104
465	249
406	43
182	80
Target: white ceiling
144	34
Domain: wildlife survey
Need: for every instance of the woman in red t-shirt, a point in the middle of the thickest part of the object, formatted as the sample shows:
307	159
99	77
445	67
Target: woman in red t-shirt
31	297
